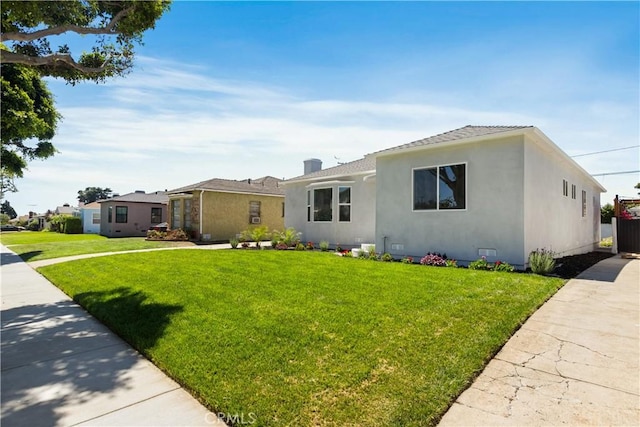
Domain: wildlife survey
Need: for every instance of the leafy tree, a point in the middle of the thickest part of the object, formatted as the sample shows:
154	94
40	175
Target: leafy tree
4	218
6	208
637	185
26	55
27	27
91	194
28	114
606	213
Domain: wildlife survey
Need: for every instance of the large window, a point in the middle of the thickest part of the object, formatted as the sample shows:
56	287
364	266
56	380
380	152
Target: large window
175	214
122	213
110	214
344	204
323	204
439	188
156	215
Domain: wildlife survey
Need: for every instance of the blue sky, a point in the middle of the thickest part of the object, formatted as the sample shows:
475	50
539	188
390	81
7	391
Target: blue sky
238	89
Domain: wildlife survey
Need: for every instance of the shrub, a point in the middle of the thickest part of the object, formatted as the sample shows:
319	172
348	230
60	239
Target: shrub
363	254
156	234
480	264
281	246
34	225
324	246
372	253
386	257
310	246
245	245
299	247
290	237
71	225
503	266
338	248
451	262
434	260
234	242
177	234
541	261
407	260
347	254
275	238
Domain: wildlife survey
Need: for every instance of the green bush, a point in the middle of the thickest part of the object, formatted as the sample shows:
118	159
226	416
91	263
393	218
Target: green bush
71	225
387	257
34	225
542	261
234	242
324	246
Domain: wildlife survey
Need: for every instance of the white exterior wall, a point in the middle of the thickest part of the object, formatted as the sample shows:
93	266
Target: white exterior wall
88	227
493	218
361	228
554	221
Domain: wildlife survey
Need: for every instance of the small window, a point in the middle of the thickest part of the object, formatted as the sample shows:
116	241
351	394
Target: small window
156	215
282	209
110	214
187	214
308	205
122	213
344	204
322	204
584	203
175	214
573	191
95	217
254	212
565	188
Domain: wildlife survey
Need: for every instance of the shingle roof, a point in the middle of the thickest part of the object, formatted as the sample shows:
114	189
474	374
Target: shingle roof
266	185
140	197
456	134
367	164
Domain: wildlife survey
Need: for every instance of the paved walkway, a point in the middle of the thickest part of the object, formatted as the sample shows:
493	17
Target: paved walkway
574	362
61	367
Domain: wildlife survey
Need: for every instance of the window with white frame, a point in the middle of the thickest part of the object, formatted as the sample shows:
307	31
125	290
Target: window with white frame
323	204
344	204
308	205
95	218
440	188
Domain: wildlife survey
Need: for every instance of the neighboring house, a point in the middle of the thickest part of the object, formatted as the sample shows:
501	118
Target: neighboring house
132	214
220	209
494	191
66	210
90	215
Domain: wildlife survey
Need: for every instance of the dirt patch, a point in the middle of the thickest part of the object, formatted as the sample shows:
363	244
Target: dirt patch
570	266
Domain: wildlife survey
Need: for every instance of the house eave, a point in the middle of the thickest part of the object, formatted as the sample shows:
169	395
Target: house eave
336	177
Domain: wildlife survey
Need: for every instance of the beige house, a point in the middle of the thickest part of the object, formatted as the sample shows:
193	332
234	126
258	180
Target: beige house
131	215
219	209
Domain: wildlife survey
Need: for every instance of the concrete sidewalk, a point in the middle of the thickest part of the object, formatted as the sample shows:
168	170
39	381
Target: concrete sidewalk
61	367
574	362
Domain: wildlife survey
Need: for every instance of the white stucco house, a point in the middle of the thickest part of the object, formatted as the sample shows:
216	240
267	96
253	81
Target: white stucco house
494	191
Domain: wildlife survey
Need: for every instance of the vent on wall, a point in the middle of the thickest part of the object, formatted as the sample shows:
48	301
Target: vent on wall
255	220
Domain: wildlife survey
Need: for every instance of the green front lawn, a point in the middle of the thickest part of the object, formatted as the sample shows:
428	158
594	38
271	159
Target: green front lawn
307	338
36	246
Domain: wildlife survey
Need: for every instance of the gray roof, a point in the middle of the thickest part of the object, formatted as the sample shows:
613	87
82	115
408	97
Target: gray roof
456	134
140	197
267	185
367	164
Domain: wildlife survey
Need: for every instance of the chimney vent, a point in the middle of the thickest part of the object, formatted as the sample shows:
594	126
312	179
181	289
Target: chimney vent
312	165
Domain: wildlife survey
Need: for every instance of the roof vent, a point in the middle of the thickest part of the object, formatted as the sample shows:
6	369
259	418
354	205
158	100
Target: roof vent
312	165
140	192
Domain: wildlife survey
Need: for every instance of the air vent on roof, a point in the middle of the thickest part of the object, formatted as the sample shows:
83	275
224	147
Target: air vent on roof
140	192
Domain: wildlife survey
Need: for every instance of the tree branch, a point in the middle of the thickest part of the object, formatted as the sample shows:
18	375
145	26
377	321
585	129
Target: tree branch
54	31
7	57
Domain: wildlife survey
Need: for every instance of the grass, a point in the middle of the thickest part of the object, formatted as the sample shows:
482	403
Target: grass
36	246
307	338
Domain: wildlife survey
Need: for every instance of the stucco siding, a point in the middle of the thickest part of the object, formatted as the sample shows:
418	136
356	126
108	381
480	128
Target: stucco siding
554	220
88	227
138	219
493	218
360	229
224	215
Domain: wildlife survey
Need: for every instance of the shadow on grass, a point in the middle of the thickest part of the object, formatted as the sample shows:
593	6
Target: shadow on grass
59	364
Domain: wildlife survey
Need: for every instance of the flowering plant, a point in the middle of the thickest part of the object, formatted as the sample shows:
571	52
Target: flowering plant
310	246
281	246
407	260
433	259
